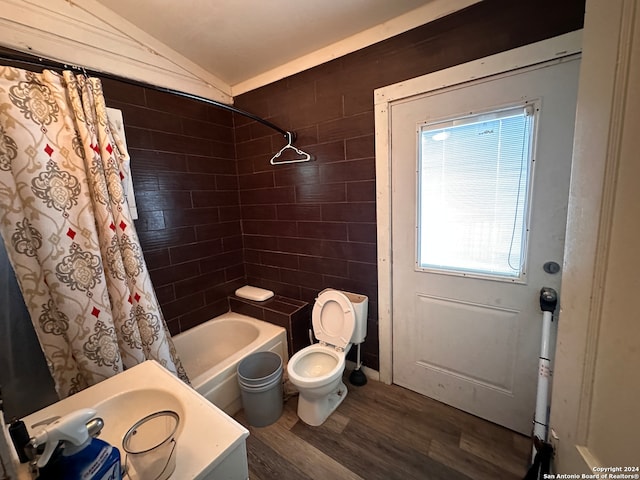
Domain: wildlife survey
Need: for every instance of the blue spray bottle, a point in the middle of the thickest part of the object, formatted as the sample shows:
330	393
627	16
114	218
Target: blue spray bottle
82	457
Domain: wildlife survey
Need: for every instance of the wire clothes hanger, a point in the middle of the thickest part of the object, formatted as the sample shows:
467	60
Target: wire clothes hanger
305	157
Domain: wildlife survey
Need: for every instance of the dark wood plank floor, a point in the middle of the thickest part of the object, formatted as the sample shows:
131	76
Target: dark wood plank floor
385	432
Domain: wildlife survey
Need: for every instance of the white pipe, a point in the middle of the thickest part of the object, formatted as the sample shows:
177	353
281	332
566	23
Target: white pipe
541	419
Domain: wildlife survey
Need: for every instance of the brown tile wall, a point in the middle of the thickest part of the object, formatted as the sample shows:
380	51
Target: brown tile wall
291	314
186	187
312	225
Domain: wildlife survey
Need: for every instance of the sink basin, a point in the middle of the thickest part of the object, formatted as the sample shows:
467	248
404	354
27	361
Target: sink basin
138	404
210	444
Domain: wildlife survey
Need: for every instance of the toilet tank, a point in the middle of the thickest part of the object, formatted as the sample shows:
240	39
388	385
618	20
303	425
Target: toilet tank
361	310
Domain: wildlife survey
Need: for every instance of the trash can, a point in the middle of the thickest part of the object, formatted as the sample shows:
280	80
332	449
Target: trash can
260	381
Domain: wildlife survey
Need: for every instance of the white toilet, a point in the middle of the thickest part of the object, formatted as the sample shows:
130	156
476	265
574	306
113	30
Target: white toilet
339	320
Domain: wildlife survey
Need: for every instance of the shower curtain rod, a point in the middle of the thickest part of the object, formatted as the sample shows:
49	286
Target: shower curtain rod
45	62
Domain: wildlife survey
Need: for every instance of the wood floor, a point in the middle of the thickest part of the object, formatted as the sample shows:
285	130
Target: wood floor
385	432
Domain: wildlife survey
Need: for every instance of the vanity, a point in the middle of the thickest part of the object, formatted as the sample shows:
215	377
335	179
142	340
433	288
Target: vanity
209	443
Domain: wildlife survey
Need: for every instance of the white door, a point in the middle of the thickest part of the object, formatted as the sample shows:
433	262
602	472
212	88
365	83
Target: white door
480	177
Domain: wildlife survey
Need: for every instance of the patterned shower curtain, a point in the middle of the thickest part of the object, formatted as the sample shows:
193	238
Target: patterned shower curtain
69	234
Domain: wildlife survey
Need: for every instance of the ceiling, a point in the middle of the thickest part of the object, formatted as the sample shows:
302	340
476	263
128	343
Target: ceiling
240	40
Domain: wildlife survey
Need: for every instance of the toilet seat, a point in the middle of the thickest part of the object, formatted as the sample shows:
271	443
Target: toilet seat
302	376
333	319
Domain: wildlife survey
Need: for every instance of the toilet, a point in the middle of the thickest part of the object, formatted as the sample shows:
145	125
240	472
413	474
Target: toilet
339	320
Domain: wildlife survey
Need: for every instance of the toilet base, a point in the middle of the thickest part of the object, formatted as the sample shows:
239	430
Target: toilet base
316	410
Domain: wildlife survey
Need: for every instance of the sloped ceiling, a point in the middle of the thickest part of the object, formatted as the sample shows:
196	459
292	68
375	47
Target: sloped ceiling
246	43
215	49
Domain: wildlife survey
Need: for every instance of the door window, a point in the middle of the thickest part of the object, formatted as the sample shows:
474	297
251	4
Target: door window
474	178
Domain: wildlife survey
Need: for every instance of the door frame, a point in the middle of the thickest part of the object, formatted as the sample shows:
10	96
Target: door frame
554	48
598	203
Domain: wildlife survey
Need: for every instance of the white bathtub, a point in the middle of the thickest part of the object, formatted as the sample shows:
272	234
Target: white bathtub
210	354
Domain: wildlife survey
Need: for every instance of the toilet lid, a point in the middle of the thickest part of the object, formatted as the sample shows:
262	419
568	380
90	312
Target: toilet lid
333	318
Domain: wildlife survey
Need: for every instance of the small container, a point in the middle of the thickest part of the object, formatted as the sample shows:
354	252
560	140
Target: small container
20	438
150	446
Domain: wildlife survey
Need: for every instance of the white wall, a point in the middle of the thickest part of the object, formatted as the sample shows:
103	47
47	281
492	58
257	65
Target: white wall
596	383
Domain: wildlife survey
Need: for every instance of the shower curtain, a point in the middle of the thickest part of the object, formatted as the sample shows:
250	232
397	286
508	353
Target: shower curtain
69	234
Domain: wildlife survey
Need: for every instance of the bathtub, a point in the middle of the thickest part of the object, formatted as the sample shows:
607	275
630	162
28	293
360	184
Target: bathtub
210	354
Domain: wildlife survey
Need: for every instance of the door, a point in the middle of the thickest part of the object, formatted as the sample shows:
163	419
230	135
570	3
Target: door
480	178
